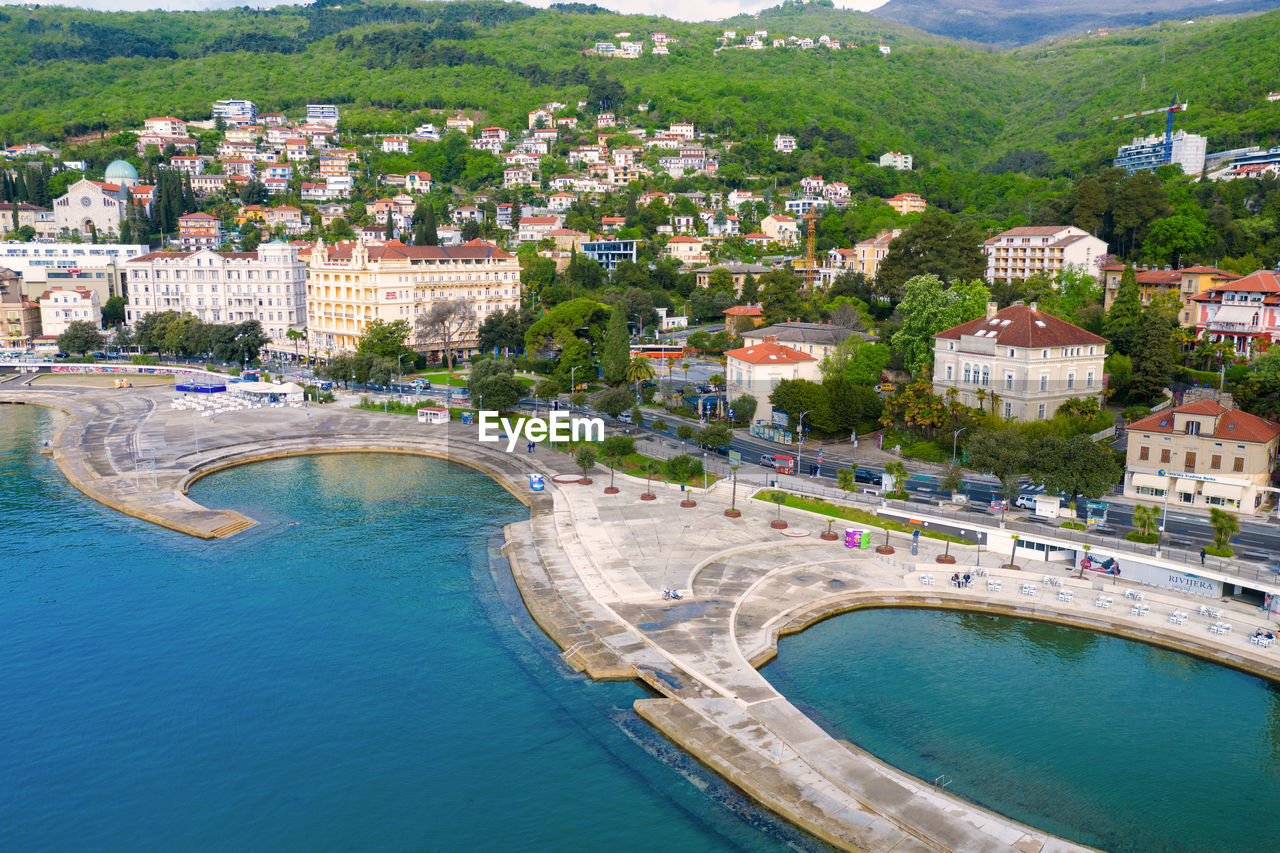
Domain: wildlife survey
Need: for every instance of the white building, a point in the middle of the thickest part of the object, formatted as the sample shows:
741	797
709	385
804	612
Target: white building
235	112
60	308
91	208
894	160
1019	253
757	370
395	145
269	285
1019	363
1148	152
322	114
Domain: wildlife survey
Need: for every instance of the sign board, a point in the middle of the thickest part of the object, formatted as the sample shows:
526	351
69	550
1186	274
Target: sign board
779	418
735	459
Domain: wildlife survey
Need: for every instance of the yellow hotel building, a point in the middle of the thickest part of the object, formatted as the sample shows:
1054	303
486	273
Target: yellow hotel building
351	284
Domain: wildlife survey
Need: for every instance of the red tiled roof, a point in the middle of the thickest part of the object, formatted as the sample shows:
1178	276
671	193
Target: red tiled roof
744	311
1024	328
1231	424
1262	281
683	239
769	353
197	216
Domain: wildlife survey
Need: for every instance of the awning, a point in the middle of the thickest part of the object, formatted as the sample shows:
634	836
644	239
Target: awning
1236	313
1150	481
1223	490
1188	486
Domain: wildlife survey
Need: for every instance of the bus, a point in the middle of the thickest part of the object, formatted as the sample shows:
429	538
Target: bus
657	350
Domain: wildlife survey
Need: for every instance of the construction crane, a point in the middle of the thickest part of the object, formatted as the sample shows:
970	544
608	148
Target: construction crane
1174	107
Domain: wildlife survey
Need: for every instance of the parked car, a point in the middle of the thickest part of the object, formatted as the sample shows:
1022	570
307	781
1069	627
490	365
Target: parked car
1025	501
625	417
866	475
716	449
887	387
766	460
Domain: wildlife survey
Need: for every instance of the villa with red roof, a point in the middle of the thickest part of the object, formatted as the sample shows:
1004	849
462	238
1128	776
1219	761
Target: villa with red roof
1202	455
1182	285
1244	312
758	368
1019	363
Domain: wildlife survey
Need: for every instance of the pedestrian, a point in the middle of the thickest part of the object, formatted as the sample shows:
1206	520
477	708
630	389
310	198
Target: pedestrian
531	447
1202	556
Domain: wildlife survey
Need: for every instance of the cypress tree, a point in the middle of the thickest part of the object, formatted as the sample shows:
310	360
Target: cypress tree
429	235
616	352
390	231
1152	357
1125	313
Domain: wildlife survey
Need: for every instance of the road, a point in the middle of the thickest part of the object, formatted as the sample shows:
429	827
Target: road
1184	530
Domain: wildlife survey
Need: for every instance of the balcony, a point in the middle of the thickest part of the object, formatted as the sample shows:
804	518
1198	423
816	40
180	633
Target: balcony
1223	326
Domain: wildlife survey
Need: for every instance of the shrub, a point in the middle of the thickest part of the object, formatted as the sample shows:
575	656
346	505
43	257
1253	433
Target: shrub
1215	551
1145	538
1073	525
658	425
682	467
926	451
844	479
151	359
1135	413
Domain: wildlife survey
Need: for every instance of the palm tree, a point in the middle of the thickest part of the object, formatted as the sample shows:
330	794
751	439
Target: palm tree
639	369
1146	518
295	336
1225	525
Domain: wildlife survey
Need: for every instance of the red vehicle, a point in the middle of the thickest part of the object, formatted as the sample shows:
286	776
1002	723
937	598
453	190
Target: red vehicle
784	464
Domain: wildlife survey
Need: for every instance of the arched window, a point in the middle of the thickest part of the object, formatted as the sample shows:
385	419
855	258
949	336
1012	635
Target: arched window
986	375
966	372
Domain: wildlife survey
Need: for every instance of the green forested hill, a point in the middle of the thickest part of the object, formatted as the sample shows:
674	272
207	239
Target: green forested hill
1040	109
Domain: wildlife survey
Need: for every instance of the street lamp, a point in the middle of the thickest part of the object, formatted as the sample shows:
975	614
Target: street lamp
398	370
572	386
800	439
954	436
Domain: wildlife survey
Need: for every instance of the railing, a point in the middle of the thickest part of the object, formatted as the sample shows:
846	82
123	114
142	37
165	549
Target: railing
1215	326
1235	568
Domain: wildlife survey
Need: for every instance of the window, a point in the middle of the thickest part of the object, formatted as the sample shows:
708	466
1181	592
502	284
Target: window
986	375
1071	381
1189	461
1044	383
966	373
1215	462
1008	382
1008	410
948	373
1040	412
1088	379
1144	453
1193	427
1164	454
1238	465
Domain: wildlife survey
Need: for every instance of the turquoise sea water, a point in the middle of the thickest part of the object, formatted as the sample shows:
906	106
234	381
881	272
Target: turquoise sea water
350	674
1108	742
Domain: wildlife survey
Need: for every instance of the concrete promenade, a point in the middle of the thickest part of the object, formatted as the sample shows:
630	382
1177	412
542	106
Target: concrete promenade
592	568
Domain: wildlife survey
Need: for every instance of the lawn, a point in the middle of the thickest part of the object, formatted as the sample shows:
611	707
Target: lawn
849	513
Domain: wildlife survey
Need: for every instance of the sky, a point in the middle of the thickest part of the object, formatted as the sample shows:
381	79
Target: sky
685	10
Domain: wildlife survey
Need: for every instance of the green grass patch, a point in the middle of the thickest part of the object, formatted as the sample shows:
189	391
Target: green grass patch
849	513
1215	551
1073	525
442	379
1144	538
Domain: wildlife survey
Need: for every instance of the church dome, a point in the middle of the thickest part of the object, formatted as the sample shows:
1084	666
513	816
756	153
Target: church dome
120	170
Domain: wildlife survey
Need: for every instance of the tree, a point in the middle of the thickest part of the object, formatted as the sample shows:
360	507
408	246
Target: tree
504	330
1002	452
794	396
80	336
682	467
715	435
928	307
952	478
1074	466
471	230
938	245
385	339
686	432
585	457
615	355
113	310
638	370
296	335
424	225
852	406
614	449
614	402
1225	525
1146	518
494	384
898	472
443	326
1090	205
1125	312
1175	238
546	389
1152	357
744	409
